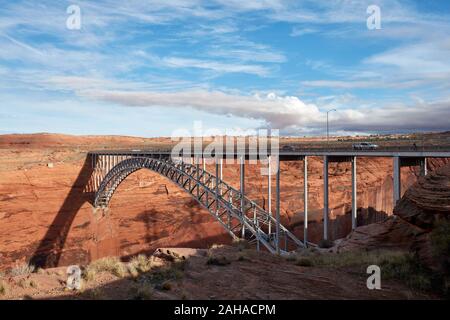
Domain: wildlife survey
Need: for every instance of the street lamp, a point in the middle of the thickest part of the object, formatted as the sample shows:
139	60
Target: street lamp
328	135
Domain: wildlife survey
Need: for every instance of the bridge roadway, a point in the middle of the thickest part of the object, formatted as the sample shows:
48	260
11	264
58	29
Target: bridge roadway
115	165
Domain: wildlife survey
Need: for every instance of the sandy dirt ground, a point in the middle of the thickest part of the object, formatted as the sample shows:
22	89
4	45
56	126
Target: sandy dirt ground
248	274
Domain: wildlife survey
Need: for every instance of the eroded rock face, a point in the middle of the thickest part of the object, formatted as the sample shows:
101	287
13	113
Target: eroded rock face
423	204
428	200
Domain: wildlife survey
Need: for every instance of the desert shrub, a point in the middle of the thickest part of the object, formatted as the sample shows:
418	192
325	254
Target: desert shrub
175	271
440	244
3	288
166	285
94	294
241	244
408	269
27	283
346	258
218	261
22	269
141	263
142	292
325	243
88	274
304	262
242	257
291	258
40	271
112	265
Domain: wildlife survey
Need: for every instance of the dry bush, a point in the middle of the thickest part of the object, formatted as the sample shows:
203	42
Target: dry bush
175	271
94	294
241	244
112	265
27	283
350	258
218	261
142	292
140	263
3	288
22	269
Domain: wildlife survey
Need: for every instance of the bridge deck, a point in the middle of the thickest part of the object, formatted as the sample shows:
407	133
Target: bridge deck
292	155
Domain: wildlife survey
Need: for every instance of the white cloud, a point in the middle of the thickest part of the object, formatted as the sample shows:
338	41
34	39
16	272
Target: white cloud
297	31
287	113
175	62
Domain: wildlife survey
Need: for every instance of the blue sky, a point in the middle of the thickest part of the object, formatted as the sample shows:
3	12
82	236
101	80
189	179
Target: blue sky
152	68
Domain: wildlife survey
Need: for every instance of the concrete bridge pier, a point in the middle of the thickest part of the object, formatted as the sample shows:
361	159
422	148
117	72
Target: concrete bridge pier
400	162
242	189
277	225
305	200
397	180
423	167
325	197
354	195
326	160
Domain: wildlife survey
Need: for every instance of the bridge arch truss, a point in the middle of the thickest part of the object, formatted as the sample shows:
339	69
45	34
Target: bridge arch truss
240	216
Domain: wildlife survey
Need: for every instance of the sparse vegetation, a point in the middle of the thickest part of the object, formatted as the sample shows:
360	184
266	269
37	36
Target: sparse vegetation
22	269
175	271
408	269
112	265
241	244
140	263
218	260
241	257
440	244
3	288
94	294
399	265
142	292
304	262
347	258
27	283
166	285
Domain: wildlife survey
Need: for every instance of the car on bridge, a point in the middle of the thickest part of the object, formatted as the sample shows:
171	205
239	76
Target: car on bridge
365	146
287	148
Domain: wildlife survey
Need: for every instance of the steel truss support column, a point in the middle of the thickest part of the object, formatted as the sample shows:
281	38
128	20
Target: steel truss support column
397	179
269	195
198	176
204	169
354	195
242	186
217	186
325	197
305	200
423	167
277	225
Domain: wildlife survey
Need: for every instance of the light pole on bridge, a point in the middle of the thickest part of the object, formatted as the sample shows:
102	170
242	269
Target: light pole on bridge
328	135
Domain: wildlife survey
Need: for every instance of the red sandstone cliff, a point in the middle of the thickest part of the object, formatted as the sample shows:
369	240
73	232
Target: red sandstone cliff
38	201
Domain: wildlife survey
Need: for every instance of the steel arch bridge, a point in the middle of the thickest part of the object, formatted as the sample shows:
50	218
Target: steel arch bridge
241	217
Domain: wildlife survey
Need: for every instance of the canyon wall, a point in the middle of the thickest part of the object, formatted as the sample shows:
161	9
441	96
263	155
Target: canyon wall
45	209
